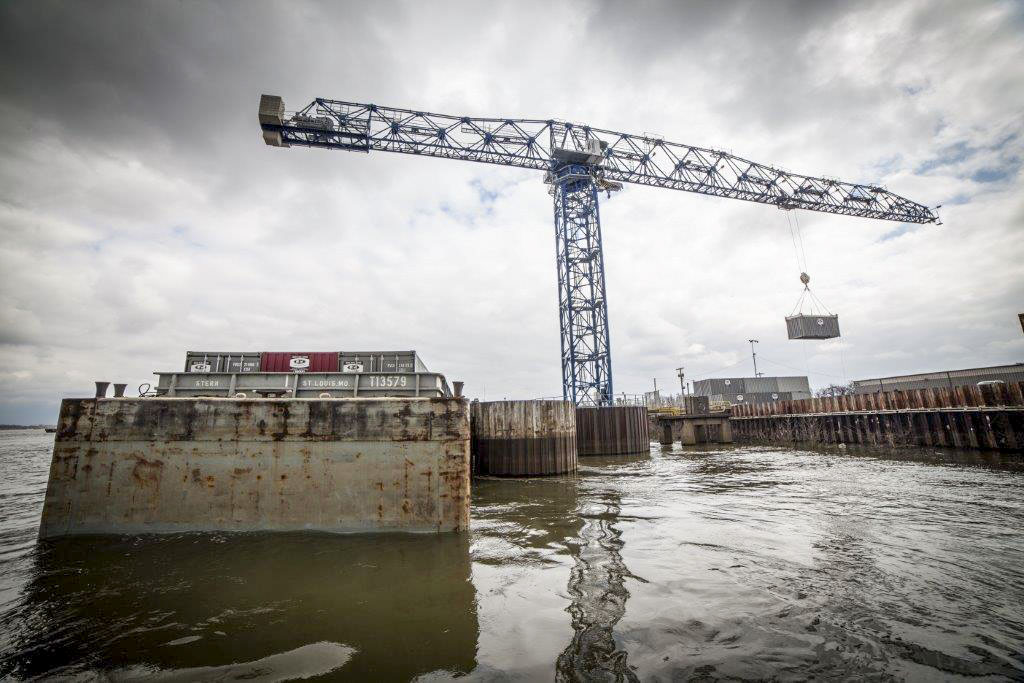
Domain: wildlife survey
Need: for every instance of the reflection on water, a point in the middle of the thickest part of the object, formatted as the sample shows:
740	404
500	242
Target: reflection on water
598	590
284	606
696	563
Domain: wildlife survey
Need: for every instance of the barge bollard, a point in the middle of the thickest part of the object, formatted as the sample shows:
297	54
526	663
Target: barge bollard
101	389
119	390
458	388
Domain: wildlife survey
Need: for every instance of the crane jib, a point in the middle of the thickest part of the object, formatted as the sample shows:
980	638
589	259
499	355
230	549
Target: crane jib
536	144
579	160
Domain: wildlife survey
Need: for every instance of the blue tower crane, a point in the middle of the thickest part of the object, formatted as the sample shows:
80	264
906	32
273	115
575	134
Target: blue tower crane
578	161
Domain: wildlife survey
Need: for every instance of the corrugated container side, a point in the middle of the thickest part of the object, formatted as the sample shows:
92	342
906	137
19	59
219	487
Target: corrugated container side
702	387
381	361
736	385
719	385
761	385
757	397
812	326
793	384
942	379
222	361
248	362
281	361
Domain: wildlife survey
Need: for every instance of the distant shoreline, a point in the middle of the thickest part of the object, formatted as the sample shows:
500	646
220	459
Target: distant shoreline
27	426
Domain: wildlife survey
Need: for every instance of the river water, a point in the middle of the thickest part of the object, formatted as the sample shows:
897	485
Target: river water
696	563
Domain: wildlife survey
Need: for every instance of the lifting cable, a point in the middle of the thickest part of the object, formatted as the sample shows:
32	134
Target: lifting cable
800	254
796	235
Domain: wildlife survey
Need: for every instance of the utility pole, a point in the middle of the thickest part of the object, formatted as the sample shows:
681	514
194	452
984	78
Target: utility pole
754	356
682	380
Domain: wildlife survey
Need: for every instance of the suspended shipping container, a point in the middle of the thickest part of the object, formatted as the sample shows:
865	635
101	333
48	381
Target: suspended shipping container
812	326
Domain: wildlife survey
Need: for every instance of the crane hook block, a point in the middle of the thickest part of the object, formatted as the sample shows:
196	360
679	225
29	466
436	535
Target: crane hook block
805	278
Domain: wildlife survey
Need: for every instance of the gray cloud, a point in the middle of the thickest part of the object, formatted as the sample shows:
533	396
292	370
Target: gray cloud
141	215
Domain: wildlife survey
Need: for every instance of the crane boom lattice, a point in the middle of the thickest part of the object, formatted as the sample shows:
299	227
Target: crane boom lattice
579	161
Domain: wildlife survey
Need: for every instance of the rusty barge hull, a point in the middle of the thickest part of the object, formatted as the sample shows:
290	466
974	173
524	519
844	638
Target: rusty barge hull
168	465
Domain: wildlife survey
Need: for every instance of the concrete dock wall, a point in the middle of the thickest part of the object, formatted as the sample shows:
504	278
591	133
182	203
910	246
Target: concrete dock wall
693	430
154	465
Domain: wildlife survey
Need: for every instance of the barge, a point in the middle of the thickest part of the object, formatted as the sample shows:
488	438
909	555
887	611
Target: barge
254	450
342	374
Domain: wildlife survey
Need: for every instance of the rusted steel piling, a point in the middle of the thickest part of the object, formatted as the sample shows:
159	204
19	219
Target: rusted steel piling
618	430
523	438
985	417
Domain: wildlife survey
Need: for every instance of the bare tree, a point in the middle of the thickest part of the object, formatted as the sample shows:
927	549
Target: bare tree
833	390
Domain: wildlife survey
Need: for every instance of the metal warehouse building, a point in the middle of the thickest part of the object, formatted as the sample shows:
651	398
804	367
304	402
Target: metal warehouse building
737	390
943	378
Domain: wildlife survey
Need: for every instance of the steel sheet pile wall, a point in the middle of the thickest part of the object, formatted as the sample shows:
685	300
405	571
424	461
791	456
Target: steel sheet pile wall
154	465
990	417
619	430
523	438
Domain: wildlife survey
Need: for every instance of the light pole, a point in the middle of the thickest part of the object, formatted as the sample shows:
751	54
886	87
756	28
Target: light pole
753	354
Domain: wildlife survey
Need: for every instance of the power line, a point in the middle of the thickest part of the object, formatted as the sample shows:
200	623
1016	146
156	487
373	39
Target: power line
790	367
708	374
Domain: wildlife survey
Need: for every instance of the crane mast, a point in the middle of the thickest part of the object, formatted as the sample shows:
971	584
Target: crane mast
579	161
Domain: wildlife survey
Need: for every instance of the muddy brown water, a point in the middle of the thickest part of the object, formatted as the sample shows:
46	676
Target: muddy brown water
702	563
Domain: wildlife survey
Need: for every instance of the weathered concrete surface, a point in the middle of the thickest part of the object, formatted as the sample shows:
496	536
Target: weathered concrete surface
153	465
691	430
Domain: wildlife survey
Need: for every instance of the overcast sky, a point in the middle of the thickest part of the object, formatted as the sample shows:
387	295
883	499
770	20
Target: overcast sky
141	215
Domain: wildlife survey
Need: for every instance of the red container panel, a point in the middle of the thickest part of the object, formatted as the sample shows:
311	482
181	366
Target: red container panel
292	361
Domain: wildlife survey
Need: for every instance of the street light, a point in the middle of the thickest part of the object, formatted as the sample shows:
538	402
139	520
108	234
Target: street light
754	356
